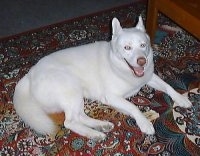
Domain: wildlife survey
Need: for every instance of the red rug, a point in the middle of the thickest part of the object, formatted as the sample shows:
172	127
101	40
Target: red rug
176	55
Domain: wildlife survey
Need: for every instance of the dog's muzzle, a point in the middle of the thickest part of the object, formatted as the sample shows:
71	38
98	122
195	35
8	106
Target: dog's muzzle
138	71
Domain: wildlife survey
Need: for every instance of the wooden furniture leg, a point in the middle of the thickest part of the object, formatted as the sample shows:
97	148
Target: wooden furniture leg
184	12
151	23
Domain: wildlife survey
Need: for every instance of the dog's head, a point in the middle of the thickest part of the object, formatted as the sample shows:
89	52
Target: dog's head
132	45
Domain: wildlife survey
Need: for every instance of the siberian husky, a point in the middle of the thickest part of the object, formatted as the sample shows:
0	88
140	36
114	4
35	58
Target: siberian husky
108	72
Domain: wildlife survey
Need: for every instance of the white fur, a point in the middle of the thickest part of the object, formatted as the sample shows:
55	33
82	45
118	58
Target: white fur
60	81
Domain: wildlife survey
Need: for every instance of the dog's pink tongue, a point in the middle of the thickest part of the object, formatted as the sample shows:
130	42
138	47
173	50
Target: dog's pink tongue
139	71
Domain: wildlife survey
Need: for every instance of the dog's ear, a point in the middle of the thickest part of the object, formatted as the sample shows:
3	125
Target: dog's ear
140	24
116	27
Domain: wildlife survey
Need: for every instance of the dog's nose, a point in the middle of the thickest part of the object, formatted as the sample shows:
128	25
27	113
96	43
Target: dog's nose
141	61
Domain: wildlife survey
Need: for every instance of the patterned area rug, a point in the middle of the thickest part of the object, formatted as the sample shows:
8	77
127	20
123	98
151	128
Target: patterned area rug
177	59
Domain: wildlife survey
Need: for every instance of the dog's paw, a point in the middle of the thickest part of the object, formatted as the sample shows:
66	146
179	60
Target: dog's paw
105	127
146	126
97	136
183	101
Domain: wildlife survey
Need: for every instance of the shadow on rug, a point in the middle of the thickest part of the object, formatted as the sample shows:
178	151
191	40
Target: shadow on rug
176	55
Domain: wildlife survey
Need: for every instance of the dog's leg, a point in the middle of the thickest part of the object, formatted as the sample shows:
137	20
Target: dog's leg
74	120
83	130
99	125
159	84
130	109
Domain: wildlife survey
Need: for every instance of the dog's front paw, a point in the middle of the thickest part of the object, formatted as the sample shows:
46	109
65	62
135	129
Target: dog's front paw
183	101
146	126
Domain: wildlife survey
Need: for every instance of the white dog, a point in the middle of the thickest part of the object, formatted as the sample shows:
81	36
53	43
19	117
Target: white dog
104	71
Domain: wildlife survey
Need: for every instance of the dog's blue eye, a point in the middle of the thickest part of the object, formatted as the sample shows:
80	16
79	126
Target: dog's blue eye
142	45
127	47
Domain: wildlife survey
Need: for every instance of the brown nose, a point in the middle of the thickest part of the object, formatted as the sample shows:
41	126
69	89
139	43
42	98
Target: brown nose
141	61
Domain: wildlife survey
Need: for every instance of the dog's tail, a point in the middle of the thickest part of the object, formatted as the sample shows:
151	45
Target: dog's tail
29	111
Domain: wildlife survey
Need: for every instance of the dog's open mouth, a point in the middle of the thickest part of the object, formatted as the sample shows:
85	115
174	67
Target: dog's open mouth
138	71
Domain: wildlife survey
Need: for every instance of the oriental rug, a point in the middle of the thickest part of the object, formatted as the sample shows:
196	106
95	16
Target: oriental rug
177	61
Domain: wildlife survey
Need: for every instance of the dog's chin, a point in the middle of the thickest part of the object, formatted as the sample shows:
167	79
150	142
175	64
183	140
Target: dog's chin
137	71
